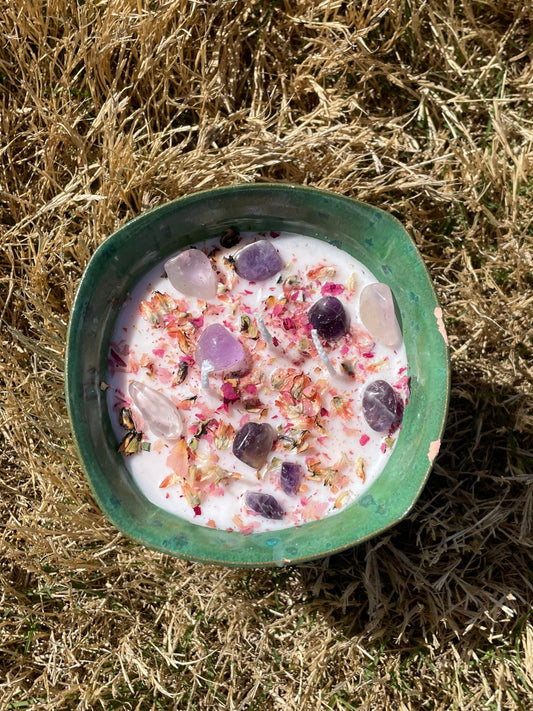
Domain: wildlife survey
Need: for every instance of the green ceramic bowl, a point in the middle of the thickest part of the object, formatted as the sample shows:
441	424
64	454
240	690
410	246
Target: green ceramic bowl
371	236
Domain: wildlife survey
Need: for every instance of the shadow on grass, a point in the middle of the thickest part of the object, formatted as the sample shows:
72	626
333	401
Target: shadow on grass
459	566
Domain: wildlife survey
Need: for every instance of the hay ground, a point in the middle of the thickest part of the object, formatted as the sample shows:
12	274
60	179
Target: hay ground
420	107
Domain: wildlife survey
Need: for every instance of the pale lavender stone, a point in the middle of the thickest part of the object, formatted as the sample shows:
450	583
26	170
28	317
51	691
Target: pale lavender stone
376	308
220	347
258	261
191	273
157	410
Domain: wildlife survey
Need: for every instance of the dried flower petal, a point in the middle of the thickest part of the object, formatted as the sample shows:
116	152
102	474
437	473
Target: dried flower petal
224	434
342	499
149	313
178	459
170	480
183	369
360	468
183	343
131	444
191	495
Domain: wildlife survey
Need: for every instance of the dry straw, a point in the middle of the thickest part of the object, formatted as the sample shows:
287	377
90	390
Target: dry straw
423	108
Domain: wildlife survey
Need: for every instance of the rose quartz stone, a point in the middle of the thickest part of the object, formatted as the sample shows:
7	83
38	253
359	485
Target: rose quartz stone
376	308
191	273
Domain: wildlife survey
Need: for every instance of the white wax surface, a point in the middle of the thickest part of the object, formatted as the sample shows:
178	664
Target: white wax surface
339	442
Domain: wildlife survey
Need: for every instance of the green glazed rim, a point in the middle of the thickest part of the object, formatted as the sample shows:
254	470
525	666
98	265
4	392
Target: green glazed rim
369	234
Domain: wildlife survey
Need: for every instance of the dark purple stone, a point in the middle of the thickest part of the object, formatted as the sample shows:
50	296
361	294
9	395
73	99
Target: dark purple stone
290	478
253	443
329	318
258	261
263	504
382	409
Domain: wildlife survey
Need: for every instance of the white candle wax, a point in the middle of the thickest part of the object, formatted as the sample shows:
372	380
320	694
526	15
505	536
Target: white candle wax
317	415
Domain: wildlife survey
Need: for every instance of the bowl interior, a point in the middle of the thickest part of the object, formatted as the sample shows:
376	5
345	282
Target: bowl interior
371	236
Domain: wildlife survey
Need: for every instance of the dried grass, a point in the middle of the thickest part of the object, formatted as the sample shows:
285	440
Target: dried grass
423	108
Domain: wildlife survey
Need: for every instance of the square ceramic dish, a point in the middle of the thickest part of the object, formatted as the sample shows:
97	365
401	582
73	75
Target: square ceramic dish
370	235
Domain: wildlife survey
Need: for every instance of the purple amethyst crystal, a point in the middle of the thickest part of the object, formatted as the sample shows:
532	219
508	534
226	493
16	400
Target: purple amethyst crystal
329	318
290	478
220	347
258	261
381	408
253	443
263	504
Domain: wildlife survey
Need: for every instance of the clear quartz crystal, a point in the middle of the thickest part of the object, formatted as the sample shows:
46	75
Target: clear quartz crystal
191	273
157	410
376	307
220	347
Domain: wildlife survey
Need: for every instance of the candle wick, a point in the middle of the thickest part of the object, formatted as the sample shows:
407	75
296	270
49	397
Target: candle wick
322	353
263	330
207	368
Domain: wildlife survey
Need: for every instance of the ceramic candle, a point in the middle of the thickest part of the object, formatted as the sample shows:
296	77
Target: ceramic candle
257	386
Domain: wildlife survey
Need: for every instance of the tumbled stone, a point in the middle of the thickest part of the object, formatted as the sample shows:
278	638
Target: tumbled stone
157	410
221	349
329	318
376	307
191	273
258	261
381	408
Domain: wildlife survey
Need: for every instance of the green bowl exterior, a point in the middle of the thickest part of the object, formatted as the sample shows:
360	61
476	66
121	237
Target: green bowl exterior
369	234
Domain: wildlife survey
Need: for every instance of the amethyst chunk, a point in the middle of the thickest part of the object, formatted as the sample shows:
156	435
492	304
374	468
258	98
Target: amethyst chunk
253	443
258	261
290	478
220	347
382	409
263	504
329	318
